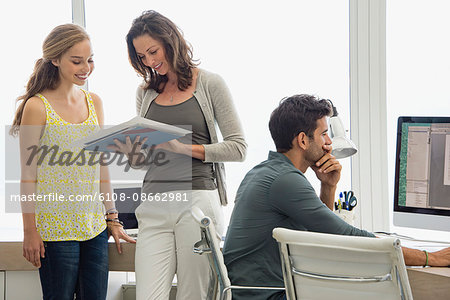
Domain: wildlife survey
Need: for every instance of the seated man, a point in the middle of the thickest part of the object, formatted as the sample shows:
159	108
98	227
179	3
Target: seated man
276	193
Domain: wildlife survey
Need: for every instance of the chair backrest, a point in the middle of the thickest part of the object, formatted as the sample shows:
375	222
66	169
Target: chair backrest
327	266
209	245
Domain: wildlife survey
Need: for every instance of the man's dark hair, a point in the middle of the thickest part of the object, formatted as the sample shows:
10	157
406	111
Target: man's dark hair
296	114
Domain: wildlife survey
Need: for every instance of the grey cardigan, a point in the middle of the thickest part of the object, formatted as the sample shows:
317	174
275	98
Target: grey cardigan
217	106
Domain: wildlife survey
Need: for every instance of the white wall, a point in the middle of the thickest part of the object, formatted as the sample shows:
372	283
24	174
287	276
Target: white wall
418	74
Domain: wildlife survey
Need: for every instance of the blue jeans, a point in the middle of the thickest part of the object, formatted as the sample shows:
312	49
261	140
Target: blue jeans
72	267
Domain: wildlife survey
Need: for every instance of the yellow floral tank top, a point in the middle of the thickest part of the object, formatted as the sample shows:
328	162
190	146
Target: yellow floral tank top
68	182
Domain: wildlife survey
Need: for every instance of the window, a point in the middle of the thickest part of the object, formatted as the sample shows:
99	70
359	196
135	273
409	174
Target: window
264	51
25	24
418	70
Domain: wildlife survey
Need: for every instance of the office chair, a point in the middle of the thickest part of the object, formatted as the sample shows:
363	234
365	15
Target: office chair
327	266
219	285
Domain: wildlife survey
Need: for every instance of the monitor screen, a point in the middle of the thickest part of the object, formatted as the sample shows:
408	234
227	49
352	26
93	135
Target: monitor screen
127	200
422	173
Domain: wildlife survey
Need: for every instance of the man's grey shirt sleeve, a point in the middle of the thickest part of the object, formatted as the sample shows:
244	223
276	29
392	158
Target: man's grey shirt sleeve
293	196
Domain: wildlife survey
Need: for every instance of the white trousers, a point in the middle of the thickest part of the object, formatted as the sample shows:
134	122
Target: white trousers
167	234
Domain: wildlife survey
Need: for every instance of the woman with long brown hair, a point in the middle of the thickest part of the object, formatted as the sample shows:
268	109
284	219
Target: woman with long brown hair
177	92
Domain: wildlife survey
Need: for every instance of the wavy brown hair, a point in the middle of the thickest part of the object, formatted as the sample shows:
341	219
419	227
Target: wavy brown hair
46	75
178	51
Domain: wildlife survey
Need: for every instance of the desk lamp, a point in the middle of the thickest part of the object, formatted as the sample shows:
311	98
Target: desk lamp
342	146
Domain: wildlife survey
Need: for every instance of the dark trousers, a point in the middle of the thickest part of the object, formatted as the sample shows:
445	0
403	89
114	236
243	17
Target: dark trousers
72	267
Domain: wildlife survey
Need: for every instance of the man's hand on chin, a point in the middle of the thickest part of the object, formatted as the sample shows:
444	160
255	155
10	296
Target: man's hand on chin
327	168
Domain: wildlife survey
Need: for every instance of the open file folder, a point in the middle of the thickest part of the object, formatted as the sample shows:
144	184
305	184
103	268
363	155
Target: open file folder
155	132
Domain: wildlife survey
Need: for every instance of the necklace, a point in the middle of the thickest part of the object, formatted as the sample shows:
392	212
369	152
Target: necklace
173	94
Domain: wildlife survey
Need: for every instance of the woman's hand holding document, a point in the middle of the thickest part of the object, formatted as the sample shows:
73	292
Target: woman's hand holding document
138	130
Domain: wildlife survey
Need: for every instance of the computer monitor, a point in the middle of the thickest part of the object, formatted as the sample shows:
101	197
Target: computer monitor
127	199
422	173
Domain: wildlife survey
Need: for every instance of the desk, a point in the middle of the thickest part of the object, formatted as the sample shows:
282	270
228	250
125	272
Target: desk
426	283
16	273
11	258
429	283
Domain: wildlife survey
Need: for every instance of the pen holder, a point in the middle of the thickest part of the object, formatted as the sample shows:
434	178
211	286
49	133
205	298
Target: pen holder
346	215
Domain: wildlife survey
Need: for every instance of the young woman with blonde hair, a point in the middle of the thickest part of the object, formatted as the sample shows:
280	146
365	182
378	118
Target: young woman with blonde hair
65	238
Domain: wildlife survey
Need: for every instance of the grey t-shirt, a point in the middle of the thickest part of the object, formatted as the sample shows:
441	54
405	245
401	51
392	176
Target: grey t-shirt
181	172
273	194
216	103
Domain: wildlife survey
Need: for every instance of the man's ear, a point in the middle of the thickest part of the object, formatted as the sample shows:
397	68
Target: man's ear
302	140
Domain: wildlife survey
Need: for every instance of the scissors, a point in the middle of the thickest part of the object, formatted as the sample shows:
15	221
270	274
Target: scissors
350	200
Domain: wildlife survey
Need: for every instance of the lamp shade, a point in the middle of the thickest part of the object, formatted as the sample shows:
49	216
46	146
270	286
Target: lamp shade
342	146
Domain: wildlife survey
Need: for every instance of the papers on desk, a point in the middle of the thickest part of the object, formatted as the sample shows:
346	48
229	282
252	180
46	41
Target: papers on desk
423	245
410	242
133	233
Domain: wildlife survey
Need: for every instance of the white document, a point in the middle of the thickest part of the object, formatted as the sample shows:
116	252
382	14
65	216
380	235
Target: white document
155	132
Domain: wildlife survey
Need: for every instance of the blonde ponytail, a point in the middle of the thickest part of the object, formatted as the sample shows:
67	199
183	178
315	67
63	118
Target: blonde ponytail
44	76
